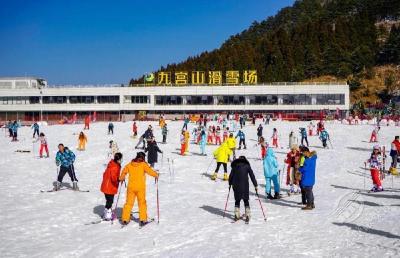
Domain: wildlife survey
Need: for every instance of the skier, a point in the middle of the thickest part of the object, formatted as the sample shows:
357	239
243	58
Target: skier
241	122
203	142
185	123
14	129
110	128
394	154
324	136
218	136
225	134
231	141
43	145
153	150
82	140
242	139
310	129
259	132
187	139
375	163
134	129
146	135
65	160
292	139
292	161
239	180
113	149
320	127
222	155
110	183
254	120
303	134
275	138
164	132
271	174
87	123
307	182
137	170
183	143
263	146
210	135
35	128
374	134
9	126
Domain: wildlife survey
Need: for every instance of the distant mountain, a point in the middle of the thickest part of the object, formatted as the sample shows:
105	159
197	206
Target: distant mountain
310	39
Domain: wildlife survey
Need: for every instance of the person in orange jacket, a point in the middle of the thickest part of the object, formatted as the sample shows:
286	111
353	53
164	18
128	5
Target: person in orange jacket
137	170
82	140
187	139
110	183
87	123
183	143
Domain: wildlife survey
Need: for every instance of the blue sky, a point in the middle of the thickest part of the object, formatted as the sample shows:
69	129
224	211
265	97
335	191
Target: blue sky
96	42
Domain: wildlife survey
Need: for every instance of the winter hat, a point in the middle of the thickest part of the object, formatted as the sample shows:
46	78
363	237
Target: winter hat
141	154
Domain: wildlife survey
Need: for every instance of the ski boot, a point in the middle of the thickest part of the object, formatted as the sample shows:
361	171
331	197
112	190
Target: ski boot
226	177
75	186
237	213
245	147
269	196
307	208
57	186
277	196
143	223
247	214
393	171
107	214
214	176
240	147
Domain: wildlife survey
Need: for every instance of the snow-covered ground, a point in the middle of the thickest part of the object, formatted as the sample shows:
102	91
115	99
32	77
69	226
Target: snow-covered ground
347	221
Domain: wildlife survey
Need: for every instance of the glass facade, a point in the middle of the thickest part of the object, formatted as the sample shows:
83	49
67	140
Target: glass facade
140	99
81	99
108	99
54	100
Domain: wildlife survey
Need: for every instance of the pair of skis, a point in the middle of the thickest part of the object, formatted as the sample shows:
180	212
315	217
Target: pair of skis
61	189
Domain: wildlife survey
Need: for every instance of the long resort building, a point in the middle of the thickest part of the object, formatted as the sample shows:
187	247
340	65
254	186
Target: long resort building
29	98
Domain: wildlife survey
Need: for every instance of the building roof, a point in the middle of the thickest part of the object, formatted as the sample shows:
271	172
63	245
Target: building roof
20	78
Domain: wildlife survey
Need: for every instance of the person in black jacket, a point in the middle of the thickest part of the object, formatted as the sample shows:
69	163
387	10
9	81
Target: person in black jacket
152	149
239	180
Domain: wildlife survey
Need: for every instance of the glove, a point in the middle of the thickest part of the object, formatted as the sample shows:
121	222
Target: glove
256	188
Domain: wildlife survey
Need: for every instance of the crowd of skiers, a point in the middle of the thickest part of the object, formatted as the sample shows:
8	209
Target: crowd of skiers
300	161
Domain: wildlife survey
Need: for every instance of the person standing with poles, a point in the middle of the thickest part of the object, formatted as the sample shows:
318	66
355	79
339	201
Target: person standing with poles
65	159
136	171
110	127
35	128
394	154
164	132
270	165
239	179
110	183
153	150
242	139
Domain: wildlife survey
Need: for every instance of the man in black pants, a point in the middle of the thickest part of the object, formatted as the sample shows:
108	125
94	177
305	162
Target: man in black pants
65	159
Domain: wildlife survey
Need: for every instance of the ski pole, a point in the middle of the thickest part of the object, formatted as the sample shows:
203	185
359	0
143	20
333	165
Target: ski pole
365	169
209	165
227	198
158	203
262	209
114	215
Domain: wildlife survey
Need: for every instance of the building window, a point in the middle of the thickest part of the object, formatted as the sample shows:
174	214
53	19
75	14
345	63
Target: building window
263	99
34	100
81	99
140	99
21	84
169	100
329	99
199	100
108	99
54	100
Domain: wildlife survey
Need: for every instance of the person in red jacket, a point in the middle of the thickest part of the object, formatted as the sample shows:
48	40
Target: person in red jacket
110	184
292	161
87	122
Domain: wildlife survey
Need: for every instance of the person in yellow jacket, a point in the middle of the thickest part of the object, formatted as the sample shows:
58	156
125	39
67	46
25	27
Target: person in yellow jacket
231	141
187	139
82	140
136	170
222	155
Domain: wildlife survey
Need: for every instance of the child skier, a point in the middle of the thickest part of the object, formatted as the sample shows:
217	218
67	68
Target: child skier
259	132
110	183
303	135
222	155
65	159
310	129
210	135
394	154
164	132
110	128
242	139
87	123
153	150
134	129
271	174
35	128
183	143
82	140
43	145
275	138
239	180
113	149
136	170
218	136
225	134
292	161
203	142
375	164
14	129
187	140
263	146
324	137
374	134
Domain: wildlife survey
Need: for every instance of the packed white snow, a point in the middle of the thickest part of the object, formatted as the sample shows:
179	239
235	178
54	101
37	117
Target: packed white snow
347	221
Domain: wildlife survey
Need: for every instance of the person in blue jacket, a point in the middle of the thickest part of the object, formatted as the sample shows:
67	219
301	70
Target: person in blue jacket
271	174
203	142
242	139
35	128
303	134
307	181
65	159
14	129
324	136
